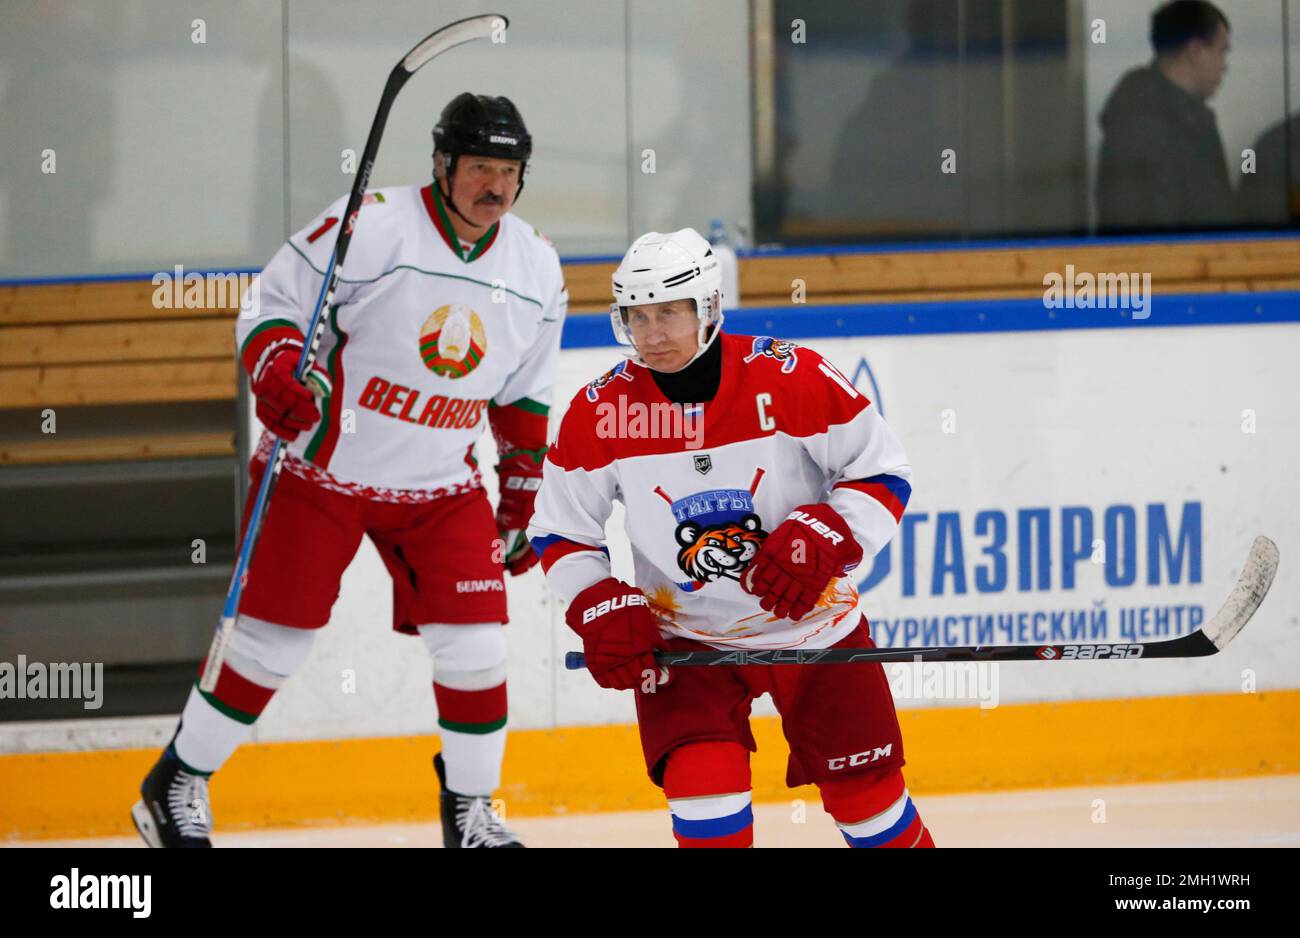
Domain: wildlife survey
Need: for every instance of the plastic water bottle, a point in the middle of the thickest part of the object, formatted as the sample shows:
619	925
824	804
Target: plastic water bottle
726	255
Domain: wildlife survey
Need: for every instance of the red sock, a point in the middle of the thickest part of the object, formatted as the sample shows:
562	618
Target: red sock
708	789
873	809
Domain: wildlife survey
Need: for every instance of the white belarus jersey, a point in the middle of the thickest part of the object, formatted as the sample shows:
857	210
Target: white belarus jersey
425	332
785	429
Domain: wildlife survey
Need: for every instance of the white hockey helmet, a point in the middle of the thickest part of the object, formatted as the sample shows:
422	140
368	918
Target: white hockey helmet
662	267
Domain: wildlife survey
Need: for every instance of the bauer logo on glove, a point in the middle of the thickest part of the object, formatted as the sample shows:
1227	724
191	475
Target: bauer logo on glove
619	633
612	605
819	526
806	552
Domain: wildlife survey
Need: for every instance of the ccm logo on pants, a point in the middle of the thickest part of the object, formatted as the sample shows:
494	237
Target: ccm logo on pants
859	758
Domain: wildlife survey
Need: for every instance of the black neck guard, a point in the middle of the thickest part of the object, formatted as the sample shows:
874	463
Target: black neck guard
697	382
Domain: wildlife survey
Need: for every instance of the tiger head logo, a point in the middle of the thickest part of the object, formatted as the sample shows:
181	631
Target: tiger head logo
778	349
718	533
709	553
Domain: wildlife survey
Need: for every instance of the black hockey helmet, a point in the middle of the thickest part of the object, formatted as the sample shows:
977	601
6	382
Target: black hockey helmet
480	125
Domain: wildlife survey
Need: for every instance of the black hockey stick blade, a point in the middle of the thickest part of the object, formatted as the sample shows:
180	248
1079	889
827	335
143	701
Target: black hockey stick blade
1247	594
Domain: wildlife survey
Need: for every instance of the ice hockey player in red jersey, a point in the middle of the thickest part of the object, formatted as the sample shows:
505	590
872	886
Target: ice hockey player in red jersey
447	316
755	478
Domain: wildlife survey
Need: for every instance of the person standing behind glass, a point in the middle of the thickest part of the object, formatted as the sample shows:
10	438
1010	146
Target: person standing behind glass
1162	163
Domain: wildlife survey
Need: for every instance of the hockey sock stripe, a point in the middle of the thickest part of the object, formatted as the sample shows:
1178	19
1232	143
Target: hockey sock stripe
707	828
877	823
910	836
245	718
491	727
743	838
472	711
207	734
710	806
708	788
236	696
896	834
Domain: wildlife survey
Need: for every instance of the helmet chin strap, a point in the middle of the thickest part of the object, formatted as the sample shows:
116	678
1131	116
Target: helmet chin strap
449	168
446	197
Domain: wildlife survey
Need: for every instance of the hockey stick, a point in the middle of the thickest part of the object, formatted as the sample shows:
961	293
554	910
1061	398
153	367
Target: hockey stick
1247	594
433	45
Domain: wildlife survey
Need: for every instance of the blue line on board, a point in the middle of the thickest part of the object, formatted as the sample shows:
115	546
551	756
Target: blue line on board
973	316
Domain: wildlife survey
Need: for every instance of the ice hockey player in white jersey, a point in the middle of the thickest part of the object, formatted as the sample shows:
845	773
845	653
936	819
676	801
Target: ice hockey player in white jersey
755	478
447	316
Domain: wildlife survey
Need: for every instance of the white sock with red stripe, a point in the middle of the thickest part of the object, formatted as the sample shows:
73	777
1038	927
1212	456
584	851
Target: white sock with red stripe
260	657
469	687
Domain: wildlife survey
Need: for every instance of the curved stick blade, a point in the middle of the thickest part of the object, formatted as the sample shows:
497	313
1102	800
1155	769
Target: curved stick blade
461	31
1250	590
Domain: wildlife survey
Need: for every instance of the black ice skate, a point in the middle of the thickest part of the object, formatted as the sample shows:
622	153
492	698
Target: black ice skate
173	809
468	820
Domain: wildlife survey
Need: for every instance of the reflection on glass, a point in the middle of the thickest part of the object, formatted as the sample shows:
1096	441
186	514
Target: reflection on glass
1162	163
936	120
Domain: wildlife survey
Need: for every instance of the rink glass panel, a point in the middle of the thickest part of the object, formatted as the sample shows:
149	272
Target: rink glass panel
858	105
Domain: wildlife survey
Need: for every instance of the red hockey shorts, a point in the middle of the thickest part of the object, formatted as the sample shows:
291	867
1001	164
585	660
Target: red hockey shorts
442	555
839	719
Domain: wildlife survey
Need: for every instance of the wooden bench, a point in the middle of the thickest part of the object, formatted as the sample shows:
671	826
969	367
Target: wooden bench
102	344
116	448
105	343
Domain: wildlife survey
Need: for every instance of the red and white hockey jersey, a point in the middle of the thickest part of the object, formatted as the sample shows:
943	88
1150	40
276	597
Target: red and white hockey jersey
426	334
786	428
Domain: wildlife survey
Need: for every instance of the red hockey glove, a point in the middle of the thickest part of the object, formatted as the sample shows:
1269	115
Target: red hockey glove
521	476
619	633
799	559
285	406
